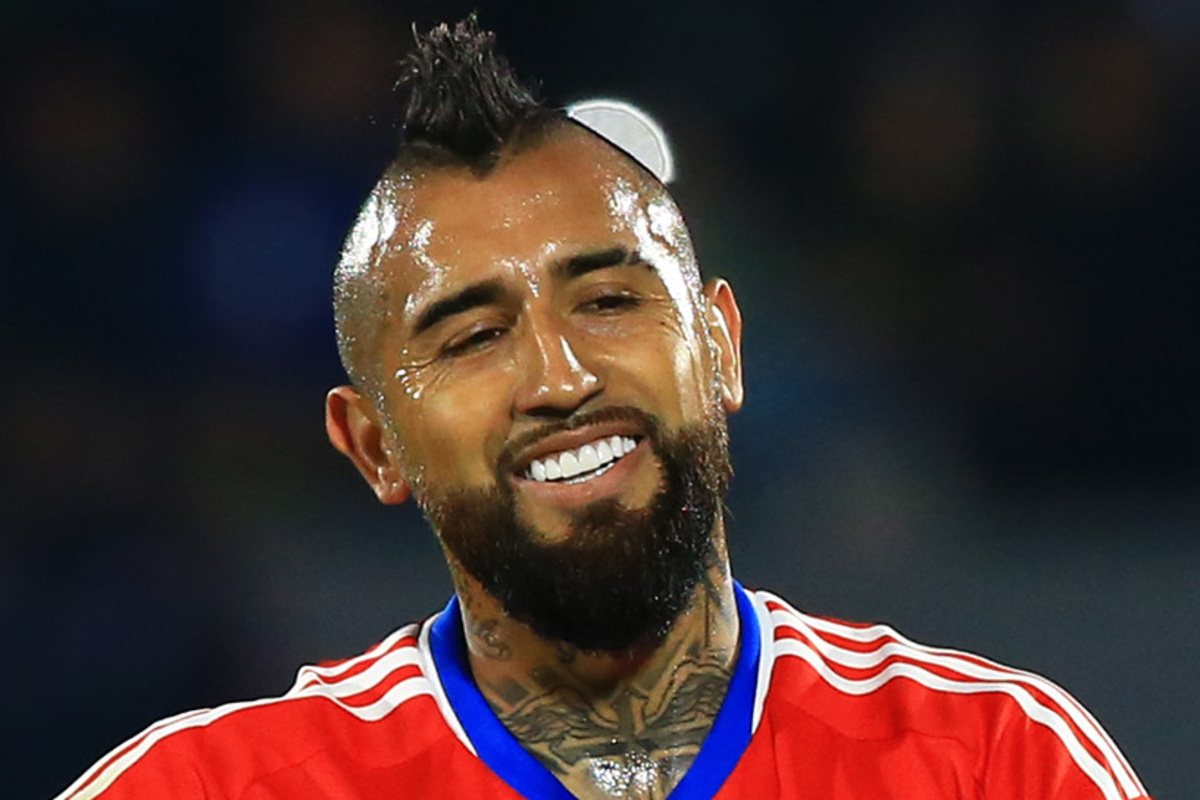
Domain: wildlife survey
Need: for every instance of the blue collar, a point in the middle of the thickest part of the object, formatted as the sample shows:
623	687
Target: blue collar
500	750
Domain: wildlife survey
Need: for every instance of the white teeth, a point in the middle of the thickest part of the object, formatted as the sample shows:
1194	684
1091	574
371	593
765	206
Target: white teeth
570	464
588	458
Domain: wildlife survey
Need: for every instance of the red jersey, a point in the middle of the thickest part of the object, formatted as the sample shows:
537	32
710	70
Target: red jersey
815	709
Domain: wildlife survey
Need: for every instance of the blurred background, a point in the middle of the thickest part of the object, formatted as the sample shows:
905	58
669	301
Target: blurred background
965	240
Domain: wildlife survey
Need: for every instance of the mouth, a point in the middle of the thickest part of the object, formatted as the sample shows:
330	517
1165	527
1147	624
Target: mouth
581	464
603	454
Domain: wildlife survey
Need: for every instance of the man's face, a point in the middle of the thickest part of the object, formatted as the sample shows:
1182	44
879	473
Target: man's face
540	322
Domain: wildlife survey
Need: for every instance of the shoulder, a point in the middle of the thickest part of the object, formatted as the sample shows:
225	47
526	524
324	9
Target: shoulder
378	706
864	685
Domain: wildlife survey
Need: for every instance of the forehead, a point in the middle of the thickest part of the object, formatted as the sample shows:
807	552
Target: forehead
572	193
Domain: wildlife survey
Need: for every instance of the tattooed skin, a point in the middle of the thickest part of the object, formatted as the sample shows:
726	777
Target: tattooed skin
637	741
490	643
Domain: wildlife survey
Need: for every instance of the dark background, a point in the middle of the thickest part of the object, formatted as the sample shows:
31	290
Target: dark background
965	240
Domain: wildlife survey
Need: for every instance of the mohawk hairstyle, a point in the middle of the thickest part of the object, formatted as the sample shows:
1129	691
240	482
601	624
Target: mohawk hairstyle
462	102
461	105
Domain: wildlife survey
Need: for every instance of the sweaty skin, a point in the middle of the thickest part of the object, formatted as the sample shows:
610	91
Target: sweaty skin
563	282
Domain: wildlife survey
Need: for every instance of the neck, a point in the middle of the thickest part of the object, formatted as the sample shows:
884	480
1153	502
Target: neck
627	724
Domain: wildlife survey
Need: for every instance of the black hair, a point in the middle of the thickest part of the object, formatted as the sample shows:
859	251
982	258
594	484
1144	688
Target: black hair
462	103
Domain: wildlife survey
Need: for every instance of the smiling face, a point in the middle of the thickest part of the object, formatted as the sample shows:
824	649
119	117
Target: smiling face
538	325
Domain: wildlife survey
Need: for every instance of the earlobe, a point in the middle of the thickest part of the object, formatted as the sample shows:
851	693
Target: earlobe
725	325
352	424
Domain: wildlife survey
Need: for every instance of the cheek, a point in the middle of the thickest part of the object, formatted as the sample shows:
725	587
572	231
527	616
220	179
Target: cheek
693	379
660	361
456	423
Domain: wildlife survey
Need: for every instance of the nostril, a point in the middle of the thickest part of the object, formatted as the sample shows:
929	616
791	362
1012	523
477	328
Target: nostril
549	413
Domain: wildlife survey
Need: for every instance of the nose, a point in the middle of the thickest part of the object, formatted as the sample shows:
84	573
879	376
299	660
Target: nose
554	381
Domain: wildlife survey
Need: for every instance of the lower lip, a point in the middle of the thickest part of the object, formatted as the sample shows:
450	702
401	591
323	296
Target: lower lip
606	484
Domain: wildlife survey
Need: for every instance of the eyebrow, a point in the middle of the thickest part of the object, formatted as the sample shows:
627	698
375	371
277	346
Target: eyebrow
583	263
473	296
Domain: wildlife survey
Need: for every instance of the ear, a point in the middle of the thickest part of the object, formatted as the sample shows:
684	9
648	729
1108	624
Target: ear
352	423
725	326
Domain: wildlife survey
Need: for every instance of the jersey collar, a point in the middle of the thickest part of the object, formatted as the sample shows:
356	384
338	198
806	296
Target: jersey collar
500	750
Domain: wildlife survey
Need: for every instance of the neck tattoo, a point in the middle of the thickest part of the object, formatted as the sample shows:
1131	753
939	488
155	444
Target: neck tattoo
634	741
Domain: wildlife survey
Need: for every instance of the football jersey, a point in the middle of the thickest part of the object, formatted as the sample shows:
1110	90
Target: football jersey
815	709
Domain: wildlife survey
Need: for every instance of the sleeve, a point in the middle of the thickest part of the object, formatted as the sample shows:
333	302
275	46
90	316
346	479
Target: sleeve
158	764
1057	750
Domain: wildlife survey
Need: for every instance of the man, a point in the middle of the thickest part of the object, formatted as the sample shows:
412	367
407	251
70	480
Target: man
535	360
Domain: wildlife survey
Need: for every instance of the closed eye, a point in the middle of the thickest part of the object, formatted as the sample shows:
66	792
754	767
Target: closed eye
609	303
474	341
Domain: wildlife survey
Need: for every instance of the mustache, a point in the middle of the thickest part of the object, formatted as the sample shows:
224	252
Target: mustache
646	422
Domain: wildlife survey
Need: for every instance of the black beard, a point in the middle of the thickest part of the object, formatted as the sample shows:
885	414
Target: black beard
623	576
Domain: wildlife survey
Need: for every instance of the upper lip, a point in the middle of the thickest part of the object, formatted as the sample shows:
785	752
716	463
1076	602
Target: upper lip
571	439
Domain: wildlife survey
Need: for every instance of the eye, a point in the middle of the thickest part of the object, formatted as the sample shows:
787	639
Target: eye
476	340
611	302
